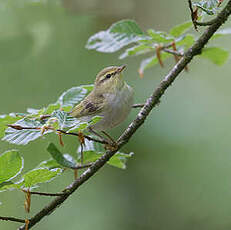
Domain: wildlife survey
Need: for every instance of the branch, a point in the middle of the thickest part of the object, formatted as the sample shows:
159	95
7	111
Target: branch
44	193
137	105
13	219
194	18
151	102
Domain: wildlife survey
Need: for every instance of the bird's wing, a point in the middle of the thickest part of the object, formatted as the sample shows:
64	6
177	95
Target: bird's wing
88	107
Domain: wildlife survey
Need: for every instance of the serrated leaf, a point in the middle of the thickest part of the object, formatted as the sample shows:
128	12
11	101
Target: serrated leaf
95	119
37	176
150	62
178	30
64	160
11	164
64	119
24	136
186	40
49	164
73	96
79	127
215	54
208	6
221	33
137	50
119	160
92	151
51	108
4	121
10	186
160	37
90	156
120	34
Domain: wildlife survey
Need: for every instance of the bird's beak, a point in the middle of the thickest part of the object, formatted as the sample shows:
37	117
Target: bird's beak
121	68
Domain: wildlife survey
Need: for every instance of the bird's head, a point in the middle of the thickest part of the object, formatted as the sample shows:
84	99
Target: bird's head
110	79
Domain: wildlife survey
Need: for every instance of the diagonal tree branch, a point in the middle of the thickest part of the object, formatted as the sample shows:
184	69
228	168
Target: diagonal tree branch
151	102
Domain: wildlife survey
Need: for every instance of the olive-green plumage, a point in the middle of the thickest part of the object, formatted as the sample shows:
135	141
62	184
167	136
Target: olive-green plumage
111	98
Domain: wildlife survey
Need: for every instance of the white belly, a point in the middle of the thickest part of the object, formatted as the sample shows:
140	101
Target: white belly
119	106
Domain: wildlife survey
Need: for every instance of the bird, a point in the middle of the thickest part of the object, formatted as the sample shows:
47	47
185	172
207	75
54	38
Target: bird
111	98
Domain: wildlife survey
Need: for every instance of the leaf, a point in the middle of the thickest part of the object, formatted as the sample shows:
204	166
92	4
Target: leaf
64	160
49	164
221	33
119	160
95	119
24	136
208	6
64	119
120	34
215	54
149	62
4	121
160	37
178	30
11	164
74	95
186	40
41	175
51	108
10	186
137	50
93	151
90	156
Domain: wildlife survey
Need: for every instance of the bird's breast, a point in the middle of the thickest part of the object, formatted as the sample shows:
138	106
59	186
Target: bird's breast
117	109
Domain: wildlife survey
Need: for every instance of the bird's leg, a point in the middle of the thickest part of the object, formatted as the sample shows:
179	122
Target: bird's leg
98	135
114	143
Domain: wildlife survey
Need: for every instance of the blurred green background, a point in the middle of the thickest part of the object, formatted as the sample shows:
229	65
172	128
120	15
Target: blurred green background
180	175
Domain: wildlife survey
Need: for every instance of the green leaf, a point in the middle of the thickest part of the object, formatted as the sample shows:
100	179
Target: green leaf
221	33
90	156
64	160
79	127
95	119
51	108
215	54
137	50
64	119
11	164
49	164
116	37
178	30
160	37
37	176
93	151
208	6
119	160
74	95
150	62
6	120
10	186
186	40
24	136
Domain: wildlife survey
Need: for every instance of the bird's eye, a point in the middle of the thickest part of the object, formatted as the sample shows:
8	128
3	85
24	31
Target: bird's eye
108	75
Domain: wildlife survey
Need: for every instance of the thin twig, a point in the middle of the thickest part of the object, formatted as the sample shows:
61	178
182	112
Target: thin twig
151	102
82	166
13	219
44	193
138	106
173	52
85	136
192	14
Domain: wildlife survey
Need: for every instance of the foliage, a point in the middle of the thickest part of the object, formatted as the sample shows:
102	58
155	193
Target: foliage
35	123
179	38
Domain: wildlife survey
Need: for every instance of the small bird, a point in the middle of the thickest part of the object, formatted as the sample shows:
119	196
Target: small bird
111	98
